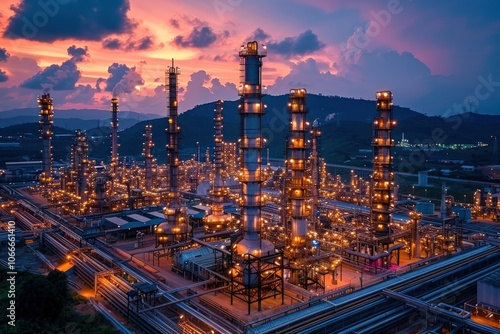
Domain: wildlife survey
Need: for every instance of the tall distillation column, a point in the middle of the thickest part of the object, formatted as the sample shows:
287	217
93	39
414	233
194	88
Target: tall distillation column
257	269
114	134
382	176
315	165
176	227
217	220
297	187
148	157
80	150
46	114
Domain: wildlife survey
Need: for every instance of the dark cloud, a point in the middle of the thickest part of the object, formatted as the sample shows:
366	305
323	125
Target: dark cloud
144	43
218	57
200	37
259	35
122	79
302	44
3	76
78	54
59	77
112	44
56	77
174	23
49	21
3	54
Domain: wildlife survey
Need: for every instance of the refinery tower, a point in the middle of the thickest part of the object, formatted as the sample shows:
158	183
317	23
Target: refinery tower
176	227
257	266
114	134
218	220
382	176
46	114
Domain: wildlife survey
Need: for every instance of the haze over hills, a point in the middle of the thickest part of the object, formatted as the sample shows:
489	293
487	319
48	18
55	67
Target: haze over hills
346	125
73	118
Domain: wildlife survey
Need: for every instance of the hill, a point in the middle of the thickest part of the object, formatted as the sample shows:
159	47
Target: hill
72	118
346	125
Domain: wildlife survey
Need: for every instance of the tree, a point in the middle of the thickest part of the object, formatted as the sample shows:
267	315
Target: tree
41	298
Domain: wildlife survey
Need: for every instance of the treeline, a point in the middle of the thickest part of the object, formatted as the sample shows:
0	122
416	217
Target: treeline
44	305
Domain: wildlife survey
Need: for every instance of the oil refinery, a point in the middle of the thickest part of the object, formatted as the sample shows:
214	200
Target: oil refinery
265	248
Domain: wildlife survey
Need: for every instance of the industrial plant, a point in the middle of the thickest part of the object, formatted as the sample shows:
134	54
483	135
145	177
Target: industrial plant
236	244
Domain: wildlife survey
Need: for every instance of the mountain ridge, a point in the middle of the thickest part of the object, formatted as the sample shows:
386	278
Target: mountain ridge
346	126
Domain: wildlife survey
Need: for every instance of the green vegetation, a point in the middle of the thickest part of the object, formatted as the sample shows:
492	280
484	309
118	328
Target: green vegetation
44	305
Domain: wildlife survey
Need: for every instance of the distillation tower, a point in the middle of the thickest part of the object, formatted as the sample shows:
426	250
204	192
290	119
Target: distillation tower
46	114
217	220
79	164
176	228
382	177
315	166
148	157
375	246
114	134
296	188
230	158
256	272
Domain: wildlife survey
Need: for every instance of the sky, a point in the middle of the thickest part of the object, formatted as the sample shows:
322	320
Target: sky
437	57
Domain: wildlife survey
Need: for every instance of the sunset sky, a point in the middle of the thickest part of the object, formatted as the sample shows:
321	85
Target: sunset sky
438	57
